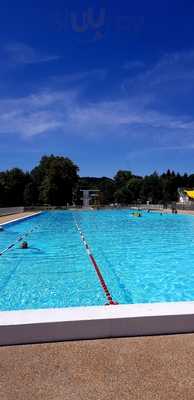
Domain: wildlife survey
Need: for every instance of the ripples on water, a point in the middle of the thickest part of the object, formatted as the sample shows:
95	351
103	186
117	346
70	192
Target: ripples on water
148	259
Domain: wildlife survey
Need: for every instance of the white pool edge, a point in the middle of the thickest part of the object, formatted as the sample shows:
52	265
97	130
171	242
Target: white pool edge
21	218
60	324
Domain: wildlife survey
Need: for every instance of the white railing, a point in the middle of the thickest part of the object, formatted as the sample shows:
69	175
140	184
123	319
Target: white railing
185	206
11	210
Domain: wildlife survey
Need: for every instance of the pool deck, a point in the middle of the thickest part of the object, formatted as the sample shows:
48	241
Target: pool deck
150	368
189	212
13	217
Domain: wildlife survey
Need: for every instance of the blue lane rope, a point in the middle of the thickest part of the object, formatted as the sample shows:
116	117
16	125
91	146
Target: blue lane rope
19	239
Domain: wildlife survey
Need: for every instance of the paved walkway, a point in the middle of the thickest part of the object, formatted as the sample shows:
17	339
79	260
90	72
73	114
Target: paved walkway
147	368
12	217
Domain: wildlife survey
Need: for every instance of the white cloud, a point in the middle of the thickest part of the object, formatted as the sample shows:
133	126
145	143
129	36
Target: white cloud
20	53
173	73
136	113
34	114
94	74
134	65
46	111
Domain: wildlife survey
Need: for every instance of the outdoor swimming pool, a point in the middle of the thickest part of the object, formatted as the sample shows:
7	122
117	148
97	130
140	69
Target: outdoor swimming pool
142	260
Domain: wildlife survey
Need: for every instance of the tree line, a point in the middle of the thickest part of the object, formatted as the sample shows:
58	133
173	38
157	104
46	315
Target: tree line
55	181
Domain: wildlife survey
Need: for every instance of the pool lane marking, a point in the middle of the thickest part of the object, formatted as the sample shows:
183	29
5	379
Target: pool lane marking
17	240
96	267
125	291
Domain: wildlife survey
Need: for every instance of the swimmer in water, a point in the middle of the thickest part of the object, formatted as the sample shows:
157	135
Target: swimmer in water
24	245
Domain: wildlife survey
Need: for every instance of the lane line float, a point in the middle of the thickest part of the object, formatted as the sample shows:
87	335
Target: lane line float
19	239
96	267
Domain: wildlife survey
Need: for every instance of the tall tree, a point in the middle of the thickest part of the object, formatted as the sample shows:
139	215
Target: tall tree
57	177
152	189
12	184
122	178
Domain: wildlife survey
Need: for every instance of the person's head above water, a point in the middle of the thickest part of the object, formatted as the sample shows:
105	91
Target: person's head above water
24	245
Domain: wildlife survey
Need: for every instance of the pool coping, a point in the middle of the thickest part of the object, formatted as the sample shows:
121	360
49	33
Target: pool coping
75	323
12	221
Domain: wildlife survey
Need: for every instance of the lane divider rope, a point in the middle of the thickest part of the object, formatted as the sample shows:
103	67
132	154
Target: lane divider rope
96	267
19	239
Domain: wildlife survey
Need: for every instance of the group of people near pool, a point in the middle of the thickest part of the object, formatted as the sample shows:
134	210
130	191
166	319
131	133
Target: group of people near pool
138	214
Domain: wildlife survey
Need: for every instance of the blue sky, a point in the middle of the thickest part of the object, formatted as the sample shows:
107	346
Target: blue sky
109	84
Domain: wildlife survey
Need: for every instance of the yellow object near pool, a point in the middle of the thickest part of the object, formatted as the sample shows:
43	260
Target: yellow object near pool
190	193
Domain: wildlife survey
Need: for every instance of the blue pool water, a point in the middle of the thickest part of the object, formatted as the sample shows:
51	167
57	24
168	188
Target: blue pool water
142	260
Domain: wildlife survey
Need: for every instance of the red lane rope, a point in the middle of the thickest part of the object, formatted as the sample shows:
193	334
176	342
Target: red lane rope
96	267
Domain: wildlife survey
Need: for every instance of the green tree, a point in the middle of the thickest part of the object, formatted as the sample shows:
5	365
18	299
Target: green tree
107	190
152	189
135	187
122	178
171	183
56	177
12	183
123	195
30	194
